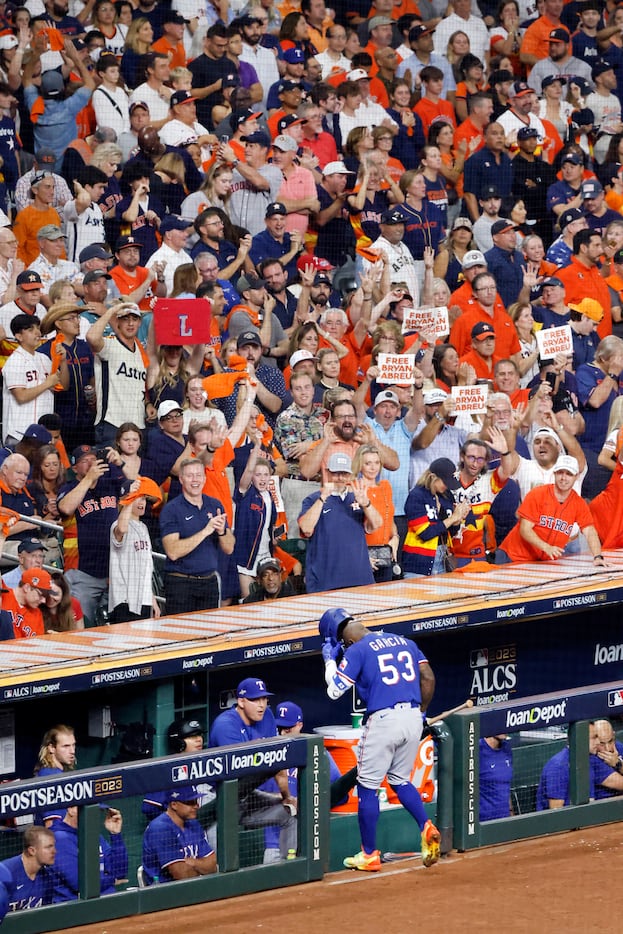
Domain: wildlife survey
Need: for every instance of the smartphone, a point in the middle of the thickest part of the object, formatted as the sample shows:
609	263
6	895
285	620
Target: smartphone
101	454
551	379
224	138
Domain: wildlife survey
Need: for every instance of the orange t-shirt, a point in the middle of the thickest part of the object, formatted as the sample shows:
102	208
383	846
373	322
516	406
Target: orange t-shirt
176	53
483	367
217	484
127	283
380	495
580	281
553	522
429	111
27	621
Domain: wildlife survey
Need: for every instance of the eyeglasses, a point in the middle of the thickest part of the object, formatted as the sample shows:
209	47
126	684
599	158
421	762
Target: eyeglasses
474	459
486	288
171	415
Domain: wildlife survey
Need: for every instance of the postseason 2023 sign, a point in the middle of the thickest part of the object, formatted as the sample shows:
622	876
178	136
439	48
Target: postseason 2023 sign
180	321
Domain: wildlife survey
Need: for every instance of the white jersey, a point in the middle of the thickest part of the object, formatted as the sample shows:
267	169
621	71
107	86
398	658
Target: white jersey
24	370
82	229
120	380
402	265
11	309
131	568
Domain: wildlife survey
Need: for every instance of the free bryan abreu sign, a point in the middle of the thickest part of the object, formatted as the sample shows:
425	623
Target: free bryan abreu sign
182	321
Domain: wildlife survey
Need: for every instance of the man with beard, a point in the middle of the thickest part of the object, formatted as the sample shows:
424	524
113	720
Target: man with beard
257	311
210	227
520	112
271	388
559	63
263	60
490	203
137	283
275	242
276	280
342	435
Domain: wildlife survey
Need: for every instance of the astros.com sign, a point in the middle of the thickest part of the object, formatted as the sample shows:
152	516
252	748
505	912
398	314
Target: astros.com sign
537	715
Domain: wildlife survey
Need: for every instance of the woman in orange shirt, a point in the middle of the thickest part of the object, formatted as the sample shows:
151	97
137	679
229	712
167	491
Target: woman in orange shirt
472	72
383	141
383	543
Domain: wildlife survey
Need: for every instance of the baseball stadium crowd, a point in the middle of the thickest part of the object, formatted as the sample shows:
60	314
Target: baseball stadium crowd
297	183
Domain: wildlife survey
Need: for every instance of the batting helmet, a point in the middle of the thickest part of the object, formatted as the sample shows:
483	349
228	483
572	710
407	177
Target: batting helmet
332	622
179	731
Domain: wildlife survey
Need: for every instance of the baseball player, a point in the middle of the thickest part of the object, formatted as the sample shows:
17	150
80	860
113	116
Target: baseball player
174	844
26	880
395	680
183	736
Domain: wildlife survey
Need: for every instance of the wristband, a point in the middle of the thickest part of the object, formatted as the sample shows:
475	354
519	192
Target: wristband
598	556
222	534
504	453
439	418
366	505
321	500
614	377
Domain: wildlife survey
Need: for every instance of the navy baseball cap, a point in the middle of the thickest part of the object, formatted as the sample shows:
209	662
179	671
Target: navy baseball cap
93	251
574	157
124	242
276	207
482	331
549	79
29	545
392	217
38	433
173	222
252	689
559	35
527	132
241	116
567	217
600	67
288	714
259	137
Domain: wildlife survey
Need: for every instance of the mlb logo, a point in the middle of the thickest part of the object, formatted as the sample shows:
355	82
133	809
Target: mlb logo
479	658
179	773
615	698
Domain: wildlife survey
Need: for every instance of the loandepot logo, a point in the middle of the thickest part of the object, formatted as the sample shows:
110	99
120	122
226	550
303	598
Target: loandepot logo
268	758
536	715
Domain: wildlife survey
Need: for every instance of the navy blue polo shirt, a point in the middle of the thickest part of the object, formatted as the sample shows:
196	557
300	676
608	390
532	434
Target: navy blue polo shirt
186	519
482	170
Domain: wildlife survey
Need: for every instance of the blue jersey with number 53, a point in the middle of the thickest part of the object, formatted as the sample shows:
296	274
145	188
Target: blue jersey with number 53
385	668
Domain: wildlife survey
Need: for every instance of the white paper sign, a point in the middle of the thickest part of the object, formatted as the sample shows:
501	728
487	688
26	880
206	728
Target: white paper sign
551	341
472	399
431	319
396	368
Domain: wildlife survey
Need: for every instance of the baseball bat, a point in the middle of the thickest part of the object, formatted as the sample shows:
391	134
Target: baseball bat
446	713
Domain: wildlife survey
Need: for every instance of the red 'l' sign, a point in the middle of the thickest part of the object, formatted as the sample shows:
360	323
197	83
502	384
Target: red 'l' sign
182	321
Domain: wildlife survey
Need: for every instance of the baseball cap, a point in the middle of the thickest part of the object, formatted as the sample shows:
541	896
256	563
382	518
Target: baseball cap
276	208
573	157
285	143
591	188
38	433
319	264
335	168
50	232
128	308
462	223
149	488
550	433
434	396
294	56
29	545
249	282
185	794
589	307
567	217
173	17
230	81
502	226
24	322
549	79
93	251
94	275
559	35
29	280
290	120
168	406
600	67
527	132
8	41
416	32
386	396
39	579
584	117
252	688
248	337
482	330
379	21
489	191
137	104
322	278
339	463
392	217
124	242
287	85
288	714
500	77
173	222
45	157
298	356
357	74
181	97
553	281
566	462
52	84
259	137
81	451
239	117
519	89
473	258
443	468
268	564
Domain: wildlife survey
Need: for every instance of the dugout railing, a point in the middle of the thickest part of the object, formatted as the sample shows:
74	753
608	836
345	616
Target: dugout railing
538	728
123	786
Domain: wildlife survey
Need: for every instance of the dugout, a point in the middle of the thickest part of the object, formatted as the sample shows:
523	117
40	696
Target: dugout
514	632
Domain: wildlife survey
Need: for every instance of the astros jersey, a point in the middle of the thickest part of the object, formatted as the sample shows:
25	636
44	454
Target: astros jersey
469	540
385	668
553	522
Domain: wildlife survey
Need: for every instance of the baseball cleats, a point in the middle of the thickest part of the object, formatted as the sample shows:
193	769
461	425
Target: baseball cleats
431	839
366	862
